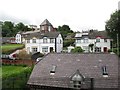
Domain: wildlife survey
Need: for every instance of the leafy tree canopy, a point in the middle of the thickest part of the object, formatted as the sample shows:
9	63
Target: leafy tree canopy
113	26
64	30
7	28
10	29
77	50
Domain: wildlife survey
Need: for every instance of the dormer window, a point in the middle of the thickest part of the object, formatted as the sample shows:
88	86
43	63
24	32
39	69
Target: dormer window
53	70
34	41
45	40
28	40
77	80
104	71
98	39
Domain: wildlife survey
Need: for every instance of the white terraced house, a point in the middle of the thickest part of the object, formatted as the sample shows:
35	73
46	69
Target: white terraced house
45	40
93	41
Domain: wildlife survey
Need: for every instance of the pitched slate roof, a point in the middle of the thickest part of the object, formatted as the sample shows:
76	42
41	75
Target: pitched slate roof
102	34
89	66
41	35
46	22
93	35
5	39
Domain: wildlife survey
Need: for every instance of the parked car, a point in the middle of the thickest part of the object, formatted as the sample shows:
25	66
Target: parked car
12	56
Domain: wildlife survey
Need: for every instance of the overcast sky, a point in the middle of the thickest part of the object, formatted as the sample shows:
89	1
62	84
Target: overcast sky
78	14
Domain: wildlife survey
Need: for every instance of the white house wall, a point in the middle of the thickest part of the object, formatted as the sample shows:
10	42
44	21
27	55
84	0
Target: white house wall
101	44
31	45
18	38
59	43
83	45
39	44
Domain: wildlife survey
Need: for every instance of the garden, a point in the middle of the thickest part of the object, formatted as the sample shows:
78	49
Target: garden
15	77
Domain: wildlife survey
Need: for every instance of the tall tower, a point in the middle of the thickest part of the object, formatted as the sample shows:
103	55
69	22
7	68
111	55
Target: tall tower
46	26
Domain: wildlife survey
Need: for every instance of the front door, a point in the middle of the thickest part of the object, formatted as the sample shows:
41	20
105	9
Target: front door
105	49
51	49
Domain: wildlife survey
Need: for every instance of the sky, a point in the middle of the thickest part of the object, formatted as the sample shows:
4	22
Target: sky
78	14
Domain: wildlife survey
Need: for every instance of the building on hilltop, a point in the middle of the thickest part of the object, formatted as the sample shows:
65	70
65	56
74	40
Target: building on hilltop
75	71
33	27
20	36
44	40
8	40
46	26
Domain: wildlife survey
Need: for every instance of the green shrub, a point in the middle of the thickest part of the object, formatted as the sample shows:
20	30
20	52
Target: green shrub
23	55
69	42
114	50
36	55
24	65
110	50
15	80
77	50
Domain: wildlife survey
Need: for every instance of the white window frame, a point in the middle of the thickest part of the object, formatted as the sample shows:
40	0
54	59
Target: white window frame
33	40
85	48
28	40
45	40
98	39
34	49
51	40
45	49
78	40
85	40
97	49
77	84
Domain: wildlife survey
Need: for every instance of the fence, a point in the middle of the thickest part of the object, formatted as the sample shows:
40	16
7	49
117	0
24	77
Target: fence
18	62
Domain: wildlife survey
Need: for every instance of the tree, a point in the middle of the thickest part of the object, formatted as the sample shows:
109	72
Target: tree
77	50
68	42
91	47
20	27
23	55
64	30
113	26
7	29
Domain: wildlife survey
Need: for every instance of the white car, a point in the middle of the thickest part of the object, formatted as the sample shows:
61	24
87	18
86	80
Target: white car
38	59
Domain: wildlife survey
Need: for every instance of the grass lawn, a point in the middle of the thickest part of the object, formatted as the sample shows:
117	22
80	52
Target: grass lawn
15	77
11	46
8	71
6	48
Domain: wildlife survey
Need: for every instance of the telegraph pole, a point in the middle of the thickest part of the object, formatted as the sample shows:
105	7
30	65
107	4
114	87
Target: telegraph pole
117	44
